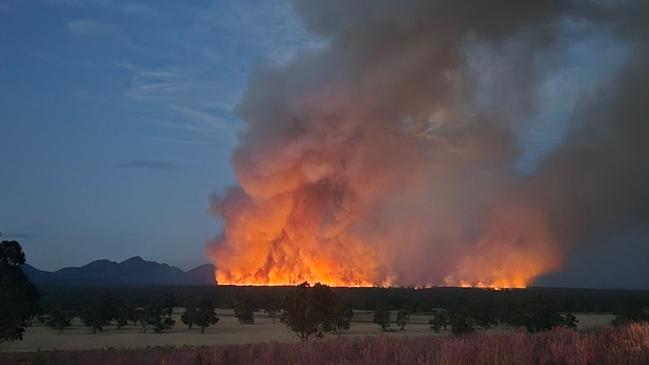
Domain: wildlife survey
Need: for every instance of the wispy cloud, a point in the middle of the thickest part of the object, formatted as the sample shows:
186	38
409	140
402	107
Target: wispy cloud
179	125
149	164
177	140
200	117
89	26
148	84
270	26
180	95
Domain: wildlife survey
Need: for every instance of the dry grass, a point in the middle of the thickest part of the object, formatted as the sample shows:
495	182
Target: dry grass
227	332
621	345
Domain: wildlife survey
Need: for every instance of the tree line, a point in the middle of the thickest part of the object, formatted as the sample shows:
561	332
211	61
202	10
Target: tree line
305	309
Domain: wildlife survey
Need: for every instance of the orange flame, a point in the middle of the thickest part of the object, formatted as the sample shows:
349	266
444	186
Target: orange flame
281	241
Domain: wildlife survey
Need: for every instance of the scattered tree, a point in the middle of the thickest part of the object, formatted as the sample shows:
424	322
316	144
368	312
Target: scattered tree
299	312
205	314
159	314
159	318
59	319
344	316
314	310
570	321
139	318
244	311
326	306
123	315
536	315
18	297
483	316
461	323
98	314
403	317
189	316
273	309
382	317
440	320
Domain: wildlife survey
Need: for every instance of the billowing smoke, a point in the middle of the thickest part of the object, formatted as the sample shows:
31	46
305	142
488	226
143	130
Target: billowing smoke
597	182
377	161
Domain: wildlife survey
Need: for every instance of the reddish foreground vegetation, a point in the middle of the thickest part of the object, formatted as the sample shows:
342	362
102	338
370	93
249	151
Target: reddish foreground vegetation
622	345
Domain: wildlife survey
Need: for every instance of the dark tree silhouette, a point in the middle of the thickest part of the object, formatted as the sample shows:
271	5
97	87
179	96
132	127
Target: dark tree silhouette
440	320
313	310
244	310
461	322
189	316
205	314
344	316
326	305
159	314
59	319
539	314
382	317
124	314
403	317
273	308
483	316
98	314
570	321
18	297
139	318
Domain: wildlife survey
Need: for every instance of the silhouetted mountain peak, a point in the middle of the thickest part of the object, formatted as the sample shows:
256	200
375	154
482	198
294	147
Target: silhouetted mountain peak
203	267
102	262
133	260
132	271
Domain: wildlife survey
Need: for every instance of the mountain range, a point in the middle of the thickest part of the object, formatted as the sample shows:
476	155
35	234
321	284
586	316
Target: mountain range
133	271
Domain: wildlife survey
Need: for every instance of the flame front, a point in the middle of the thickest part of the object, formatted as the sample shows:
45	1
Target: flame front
280	241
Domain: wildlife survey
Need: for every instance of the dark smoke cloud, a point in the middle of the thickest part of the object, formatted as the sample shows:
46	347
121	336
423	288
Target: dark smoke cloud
598	181
377	147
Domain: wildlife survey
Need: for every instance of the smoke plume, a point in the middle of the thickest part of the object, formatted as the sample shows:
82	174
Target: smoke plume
381	160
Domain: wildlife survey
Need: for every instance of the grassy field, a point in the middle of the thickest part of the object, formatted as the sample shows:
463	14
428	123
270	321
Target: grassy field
227	332
609	345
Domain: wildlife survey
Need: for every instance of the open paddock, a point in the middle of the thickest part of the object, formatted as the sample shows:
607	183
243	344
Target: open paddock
227	332
624	345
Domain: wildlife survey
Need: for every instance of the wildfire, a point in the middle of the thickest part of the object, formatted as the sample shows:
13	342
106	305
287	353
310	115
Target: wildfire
310	235
372	164
285	241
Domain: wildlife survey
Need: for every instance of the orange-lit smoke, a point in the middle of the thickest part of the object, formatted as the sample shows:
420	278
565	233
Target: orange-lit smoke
371	161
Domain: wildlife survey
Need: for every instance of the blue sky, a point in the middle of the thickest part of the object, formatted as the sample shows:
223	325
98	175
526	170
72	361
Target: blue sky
116	121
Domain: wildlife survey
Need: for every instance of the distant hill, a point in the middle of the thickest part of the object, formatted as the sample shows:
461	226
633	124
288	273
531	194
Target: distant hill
134	271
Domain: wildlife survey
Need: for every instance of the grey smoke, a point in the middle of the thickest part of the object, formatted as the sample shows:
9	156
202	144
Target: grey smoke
384	133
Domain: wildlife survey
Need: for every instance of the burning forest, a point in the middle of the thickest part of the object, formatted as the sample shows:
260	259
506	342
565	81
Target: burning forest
389	156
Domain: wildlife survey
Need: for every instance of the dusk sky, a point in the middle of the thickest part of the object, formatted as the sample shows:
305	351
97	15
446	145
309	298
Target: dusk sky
118	121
